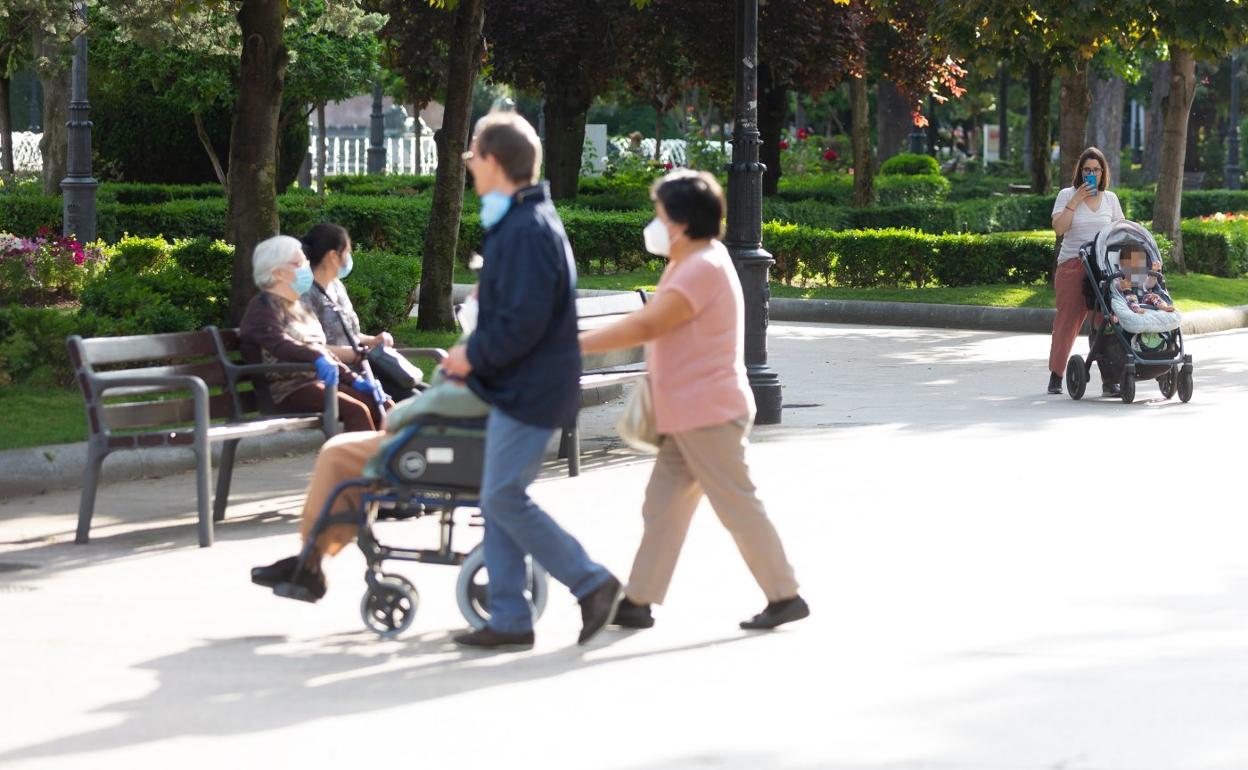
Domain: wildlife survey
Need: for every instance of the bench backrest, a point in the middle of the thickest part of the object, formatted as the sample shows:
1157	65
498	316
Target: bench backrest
604	306
193	354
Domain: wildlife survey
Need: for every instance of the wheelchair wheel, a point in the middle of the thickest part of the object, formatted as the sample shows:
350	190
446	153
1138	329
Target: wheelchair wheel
472	589
1169	383
389	608
1076	377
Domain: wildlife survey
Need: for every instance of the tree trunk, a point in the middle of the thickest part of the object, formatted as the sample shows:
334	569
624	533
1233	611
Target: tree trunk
864	168
251	181
565	112
442	236
1039	86
773	109
322	149
7	169
658	132
1177	107
204	140
1105	121
1075	100
892	120
1003	111
1154	118
54	146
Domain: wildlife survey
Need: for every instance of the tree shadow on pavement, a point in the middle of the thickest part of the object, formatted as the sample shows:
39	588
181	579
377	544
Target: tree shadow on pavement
251	684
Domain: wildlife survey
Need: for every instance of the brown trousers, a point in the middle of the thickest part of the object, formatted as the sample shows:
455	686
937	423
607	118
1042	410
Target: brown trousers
708	461
356	410
342	457
1072	310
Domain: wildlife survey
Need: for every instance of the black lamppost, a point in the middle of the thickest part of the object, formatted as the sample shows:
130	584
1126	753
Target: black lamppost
744	237
1232	133
78	186
377	134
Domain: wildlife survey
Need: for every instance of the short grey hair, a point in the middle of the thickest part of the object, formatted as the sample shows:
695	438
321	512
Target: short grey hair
272	254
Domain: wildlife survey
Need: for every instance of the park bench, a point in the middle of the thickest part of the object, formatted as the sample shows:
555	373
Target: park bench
204	364
600	372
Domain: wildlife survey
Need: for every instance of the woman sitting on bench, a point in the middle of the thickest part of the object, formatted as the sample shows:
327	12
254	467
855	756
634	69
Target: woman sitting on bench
277	328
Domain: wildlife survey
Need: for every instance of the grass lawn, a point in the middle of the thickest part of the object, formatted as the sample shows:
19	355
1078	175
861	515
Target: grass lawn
1191	292
34	415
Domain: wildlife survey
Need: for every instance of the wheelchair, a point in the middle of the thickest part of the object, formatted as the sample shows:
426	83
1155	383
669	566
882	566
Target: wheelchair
432	467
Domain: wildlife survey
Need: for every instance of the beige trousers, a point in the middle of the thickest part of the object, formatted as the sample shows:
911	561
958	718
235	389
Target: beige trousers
342	457
708	461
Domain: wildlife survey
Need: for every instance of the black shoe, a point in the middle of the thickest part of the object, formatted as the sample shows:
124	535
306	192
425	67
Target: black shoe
489	639
777	613
629	615
277	572
1055	384
306	585
598	609
1113	389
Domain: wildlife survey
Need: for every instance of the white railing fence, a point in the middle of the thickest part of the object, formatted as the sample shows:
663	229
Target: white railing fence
674	151
410	154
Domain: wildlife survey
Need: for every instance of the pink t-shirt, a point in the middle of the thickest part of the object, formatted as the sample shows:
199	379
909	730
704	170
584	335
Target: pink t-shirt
697	370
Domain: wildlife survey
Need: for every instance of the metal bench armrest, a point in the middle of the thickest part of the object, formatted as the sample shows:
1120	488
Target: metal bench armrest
437	354
102	382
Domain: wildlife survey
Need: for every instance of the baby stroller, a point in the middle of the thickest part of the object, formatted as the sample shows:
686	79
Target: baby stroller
431	468
1146	346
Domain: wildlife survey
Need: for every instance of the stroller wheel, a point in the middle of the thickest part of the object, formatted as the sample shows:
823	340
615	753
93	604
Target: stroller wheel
1169	382
1185	383
472	588
1128	386
1076	377
389	607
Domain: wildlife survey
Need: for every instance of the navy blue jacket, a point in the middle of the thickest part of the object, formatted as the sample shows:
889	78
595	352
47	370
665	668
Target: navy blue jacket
524	353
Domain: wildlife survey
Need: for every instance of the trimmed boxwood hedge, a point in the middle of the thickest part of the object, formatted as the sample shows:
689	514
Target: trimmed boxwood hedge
1216	248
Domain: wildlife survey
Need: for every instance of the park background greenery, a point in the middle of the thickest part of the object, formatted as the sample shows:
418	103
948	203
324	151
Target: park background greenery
846	215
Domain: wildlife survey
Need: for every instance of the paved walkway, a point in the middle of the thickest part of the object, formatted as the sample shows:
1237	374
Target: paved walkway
1000	580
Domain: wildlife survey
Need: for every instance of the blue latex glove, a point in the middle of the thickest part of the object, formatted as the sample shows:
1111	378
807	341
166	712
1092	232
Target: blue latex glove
327	371
373	389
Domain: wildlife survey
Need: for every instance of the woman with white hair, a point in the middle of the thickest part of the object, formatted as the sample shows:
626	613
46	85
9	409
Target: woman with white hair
277	328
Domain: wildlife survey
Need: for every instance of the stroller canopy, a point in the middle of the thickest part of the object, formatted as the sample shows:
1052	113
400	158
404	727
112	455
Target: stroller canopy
1108	243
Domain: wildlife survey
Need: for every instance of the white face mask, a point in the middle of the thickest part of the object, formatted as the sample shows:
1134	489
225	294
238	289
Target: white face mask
658	242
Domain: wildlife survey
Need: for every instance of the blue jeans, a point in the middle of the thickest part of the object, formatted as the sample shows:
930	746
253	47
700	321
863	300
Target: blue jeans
515	525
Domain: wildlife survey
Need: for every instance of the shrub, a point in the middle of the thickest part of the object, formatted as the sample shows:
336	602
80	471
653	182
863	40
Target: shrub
1005	214
135	254
607	241
915	188
381	286
837	189
167	299
208	258
979	186
1216	248
32	343
910	164
130	192
389	184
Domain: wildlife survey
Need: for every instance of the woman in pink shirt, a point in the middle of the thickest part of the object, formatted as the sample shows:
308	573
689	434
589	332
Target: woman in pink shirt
694	332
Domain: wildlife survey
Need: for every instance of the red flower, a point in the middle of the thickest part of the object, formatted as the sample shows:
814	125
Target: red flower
830	155
802	133
784	145
668	165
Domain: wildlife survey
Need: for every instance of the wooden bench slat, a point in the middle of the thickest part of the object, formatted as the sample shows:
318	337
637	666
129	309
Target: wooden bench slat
170	411
208	371
608	304
237	430
147	347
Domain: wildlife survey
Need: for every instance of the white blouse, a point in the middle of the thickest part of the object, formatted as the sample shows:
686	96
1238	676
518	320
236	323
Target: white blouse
1086	222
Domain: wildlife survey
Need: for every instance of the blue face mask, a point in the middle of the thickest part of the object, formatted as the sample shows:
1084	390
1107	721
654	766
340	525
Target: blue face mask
303	279
347	264
494	206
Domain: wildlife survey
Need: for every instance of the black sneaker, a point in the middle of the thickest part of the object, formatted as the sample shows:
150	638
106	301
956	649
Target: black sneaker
629	615
489	639
777	613
1055	384
598	609
1111	390
306	585
277	572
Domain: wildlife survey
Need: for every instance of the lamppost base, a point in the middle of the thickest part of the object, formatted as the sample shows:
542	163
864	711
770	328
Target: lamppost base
765	385
376	160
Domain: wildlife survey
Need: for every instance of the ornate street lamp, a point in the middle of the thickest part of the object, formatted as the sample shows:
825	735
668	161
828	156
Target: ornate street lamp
744	237
1232	134
377	134
78	186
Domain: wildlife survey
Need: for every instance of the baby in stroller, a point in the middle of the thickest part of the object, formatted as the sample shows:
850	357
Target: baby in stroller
1134	263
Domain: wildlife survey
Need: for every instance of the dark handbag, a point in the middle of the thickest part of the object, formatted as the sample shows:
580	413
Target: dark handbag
397	374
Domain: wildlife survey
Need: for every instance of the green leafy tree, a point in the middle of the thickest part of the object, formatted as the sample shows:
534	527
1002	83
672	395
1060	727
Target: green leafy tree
257	38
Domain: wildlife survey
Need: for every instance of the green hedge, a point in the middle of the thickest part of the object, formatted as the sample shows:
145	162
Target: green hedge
1216	248
387	184
126	192
910	164
900	257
